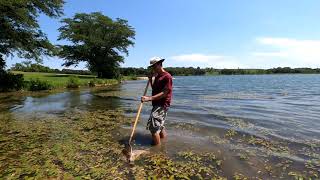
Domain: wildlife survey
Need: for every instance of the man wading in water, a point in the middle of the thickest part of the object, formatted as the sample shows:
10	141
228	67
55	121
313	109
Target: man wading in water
161	98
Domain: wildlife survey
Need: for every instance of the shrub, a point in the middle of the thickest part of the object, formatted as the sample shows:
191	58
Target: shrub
119	78
9	81
95	81
38	85
92	83
133	77
73	82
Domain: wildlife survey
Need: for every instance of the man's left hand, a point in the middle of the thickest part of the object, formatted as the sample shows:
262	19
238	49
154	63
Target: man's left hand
146	98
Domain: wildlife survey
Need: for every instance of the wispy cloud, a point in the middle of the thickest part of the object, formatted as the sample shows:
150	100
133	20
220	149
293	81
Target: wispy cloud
302	53
268	52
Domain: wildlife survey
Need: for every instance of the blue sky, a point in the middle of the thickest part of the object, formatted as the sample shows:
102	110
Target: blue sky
209	33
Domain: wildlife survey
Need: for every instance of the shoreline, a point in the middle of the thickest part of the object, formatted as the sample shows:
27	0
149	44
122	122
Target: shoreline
37	81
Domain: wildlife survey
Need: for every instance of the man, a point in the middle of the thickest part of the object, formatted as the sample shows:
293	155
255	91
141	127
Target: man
161	99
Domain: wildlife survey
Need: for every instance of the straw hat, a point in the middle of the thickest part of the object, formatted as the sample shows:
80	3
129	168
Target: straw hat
155	60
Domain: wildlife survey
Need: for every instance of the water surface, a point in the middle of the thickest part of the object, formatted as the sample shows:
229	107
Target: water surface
253	122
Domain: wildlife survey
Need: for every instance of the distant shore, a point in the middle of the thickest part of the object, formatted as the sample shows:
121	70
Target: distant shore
142	78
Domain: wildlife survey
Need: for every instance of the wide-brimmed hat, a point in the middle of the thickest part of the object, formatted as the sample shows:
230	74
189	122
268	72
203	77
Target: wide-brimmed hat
155	60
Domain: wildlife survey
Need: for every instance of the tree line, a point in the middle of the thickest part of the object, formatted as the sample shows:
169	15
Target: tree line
176	71
191	71
28	66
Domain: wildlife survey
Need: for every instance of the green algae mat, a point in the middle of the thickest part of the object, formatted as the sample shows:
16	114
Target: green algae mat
83	145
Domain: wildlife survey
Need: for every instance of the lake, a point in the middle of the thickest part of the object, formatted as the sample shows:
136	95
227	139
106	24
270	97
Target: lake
260	125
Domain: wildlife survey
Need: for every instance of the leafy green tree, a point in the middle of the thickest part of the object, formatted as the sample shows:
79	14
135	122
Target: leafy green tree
97	40
19	30
17	67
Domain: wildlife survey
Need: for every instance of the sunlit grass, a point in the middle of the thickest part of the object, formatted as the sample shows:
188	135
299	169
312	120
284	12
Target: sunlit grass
61	80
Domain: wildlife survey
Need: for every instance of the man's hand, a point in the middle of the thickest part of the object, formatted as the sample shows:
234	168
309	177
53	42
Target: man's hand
150	76
146	98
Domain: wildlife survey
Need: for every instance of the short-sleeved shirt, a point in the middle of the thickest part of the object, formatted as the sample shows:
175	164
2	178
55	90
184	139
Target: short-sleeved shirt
161	82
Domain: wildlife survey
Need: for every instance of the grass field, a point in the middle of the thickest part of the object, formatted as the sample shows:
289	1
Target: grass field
61	80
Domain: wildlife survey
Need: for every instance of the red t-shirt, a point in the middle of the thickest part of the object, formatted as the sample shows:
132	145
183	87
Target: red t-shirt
161	82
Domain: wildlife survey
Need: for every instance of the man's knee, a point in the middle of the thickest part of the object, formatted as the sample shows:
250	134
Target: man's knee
163	133
156	138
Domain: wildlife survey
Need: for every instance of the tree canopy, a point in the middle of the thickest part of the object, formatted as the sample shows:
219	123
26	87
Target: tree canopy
19	29
97	40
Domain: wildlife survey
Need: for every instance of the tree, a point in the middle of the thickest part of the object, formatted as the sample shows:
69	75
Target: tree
19	29
17	67
97	40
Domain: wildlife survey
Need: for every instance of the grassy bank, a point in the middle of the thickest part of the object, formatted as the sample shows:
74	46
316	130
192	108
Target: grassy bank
55	81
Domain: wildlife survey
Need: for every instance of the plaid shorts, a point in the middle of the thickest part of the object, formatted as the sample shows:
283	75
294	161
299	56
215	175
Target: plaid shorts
156	120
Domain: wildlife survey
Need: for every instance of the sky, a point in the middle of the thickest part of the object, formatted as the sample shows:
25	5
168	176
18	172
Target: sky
207	33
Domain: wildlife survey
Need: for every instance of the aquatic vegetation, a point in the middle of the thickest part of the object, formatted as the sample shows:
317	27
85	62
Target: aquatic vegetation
216	139
84	145
81	145
296	175
269	145
240	123
243	156
186	126
284	165
78	145
230	133
188	165
239	176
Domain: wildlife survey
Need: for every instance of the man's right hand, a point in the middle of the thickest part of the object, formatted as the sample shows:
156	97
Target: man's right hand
150	76
146	98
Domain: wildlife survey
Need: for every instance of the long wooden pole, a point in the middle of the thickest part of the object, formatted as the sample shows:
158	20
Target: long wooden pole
138	113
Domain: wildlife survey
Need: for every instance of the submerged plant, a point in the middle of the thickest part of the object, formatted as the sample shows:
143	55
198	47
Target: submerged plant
85	145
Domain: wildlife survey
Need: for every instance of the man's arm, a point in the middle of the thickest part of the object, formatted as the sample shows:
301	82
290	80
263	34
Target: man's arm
150	77
150	81
158	96
162	94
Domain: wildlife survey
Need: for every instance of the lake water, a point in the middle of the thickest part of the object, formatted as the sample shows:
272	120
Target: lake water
273	106
251	121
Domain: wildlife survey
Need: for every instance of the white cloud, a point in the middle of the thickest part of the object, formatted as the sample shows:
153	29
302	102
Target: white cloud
294	52
203	60
269	52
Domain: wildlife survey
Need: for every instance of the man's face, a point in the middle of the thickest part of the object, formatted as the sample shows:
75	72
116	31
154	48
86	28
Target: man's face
156	67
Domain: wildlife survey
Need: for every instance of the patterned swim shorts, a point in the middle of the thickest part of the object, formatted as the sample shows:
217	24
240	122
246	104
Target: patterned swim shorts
156	120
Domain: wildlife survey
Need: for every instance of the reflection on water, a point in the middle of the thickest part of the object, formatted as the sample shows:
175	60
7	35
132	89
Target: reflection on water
59	103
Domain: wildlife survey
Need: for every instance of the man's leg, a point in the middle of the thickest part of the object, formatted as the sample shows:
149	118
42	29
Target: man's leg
163	134
156	139
155	124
